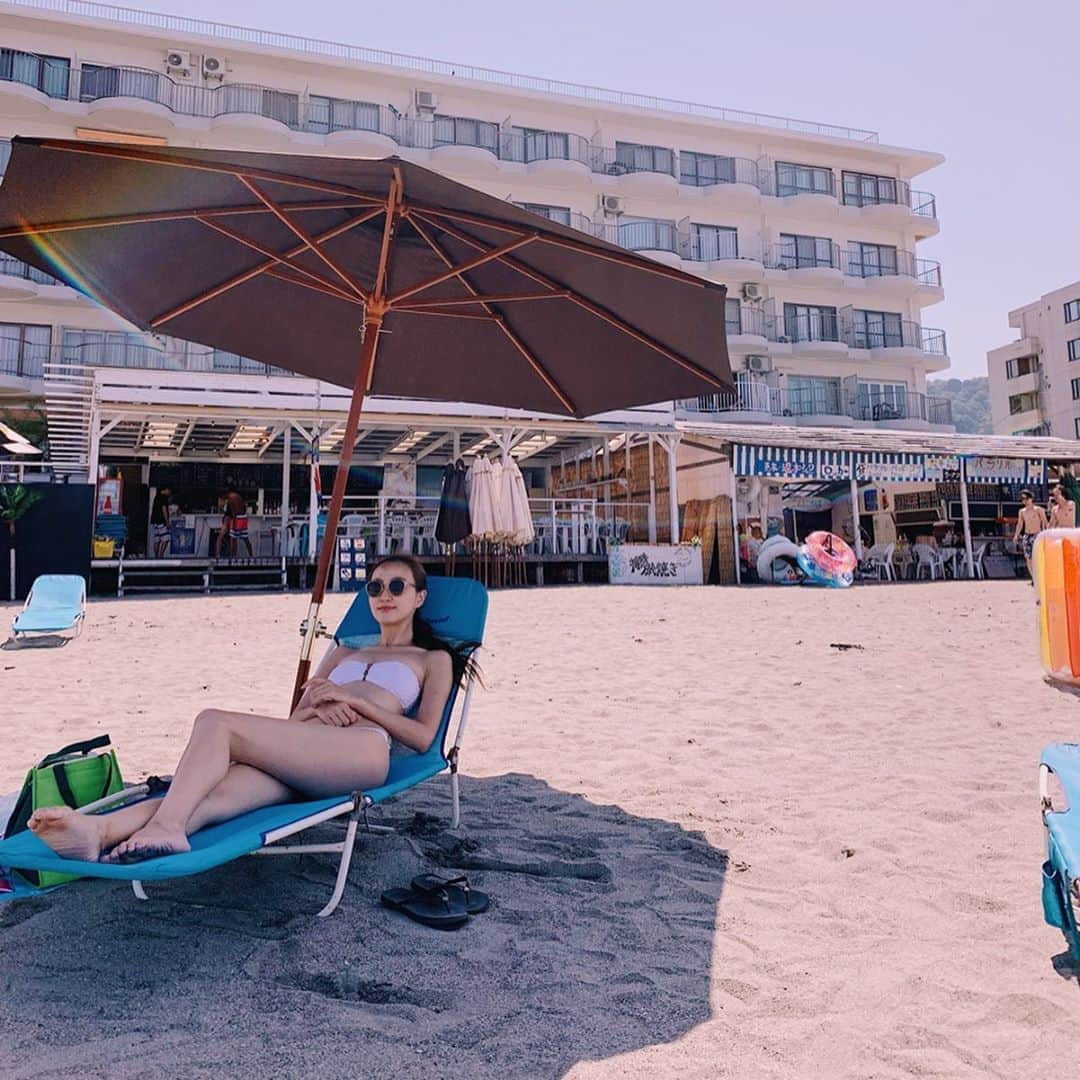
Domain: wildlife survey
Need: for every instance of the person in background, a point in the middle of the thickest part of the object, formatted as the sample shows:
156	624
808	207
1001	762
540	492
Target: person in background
1029	523
1062	509
159	522
235	524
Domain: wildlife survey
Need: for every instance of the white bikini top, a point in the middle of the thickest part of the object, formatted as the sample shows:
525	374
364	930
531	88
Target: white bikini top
392	675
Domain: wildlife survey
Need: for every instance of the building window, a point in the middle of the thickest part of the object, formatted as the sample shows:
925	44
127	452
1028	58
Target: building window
327	114
732	317
24	349
100	81
877	330
1023	365
561	214
635	157
1072	311
866	189
883	401
805	395
49	74
872	260
711	242
462	131
1074	349
1076	427
1019	403
792	179
809	322
797	252
540	145
1076	389
701	170
112	348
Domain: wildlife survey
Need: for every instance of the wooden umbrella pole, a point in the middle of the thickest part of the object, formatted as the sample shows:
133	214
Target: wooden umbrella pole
310	629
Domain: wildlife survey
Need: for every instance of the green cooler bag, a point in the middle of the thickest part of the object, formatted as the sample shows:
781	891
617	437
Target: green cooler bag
74	776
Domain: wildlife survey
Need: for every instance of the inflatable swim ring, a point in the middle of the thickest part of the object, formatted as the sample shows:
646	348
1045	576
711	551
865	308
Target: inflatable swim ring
775	561
827	560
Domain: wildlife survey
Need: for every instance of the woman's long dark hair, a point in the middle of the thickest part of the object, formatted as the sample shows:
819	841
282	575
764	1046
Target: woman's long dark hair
461	653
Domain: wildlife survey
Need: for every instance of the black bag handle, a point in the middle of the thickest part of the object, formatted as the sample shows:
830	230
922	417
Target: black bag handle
83	747
63	785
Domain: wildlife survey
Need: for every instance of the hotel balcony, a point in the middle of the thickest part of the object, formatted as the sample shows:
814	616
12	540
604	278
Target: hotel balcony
754	401
884	266
19	280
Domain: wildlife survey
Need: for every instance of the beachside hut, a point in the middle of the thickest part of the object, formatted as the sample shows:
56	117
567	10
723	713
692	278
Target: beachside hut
823	458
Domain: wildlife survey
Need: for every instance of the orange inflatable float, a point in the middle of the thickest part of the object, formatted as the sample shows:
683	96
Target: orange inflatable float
1056	564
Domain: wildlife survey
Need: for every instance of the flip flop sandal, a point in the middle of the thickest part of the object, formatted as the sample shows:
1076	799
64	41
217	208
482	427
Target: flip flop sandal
476	902
437	909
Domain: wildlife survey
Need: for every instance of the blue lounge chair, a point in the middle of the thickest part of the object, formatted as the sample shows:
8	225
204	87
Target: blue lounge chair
457	610
56	604
1061	871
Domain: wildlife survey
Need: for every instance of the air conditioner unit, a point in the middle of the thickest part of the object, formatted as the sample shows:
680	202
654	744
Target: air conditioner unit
426	102
213	67
783	339
611	204
759	364
178	62
751	291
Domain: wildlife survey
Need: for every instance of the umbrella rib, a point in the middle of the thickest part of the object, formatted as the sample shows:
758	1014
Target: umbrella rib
489	255
599	311
446	314
522	348
317	286
154	217
149	158
255	271
594	249
495	298
299	233
245	241
393	211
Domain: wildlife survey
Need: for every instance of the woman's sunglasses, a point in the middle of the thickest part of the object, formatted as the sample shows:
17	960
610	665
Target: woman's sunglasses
395	586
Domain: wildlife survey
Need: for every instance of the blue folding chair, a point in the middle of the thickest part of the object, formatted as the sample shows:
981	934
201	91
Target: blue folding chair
1061	871
457	610
56	604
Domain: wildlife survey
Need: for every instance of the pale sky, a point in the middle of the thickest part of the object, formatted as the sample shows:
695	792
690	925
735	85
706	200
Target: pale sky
990	85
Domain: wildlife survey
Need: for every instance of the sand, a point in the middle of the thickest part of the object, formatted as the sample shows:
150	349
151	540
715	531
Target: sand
717	847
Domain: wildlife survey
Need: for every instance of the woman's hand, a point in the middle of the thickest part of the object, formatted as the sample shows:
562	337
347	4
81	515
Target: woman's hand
335	695
337	715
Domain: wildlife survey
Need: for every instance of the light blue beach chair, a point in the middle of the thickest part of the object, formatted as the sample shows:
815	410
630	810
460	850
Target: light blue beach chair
56	605
457	610
1061	871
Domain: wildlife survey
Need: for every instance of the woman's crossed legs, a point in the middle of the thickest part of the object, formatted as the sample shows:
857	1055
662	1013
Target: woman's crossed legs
233	763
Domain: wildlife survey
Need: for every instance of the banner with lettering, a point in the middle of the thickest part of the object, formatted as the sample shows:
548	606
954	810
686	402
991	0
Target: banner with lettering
655	564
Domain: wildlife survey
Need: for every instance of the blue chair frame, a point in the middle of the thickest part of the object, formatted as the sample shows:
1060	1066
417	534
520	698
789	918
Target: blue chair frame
457	610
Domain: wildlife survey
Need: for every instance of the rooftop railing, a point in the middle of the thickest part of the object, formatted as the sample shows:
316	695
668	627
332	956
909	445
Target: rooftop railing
174	24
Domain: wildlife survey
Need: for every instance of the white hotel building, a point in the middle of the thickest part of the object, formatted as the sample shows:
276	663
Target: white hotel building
814	228
1035	380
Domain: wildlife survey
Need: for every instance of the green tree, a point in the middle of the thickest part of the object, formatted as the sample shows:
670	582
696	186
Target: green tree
15	500
970	402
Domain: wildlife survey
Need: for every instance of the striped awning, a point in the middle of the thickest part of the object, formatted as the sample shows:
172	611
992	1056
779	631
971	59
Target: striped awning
800	463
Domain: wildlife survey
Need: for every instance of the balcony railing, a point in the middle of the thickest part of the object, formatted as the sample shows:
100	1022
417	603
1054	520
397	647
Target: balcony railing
922	204
875	405
750	321
791	257
891	263
12	267
820	326
617	161
752	394
22	359
703	170
544	146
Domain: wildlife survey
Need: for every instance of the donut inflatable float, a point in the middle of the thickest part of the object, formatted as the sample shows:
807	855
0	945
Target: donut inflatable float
776	562
827	560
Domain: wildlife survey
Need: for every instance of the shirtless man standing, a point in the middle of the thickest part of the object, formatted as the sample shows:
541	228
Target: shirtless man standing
1031	522
1062	510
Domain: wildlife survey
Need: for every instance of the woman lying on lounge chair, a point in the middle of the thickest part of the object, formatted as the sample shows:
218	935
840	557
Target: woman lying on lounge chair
336	740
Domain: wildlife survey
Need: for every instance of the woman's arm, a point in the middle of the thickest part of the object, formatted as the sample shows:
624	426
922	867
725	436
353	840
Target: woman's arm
417	734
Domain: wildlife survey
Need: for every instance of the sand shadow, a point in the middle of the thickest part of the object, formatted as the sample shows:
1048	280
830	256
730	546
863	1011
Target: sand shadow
45	641
599	942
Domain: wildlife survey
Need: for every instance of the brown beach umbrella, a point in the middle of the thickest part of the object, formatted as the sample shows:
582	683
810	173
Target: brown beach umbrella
375	274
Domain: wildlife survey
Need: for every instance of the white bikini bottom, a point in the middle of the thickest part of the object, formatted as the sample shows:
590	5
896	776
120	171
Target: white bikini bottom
375	730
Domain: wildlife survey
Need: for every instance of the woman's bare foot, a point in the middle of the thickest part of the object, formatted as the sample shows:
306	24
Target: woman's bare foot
150	842
70	835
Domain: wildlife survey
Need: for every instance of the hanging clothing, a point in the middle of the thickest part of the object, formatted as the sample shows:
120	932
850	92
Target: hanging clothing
453	523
